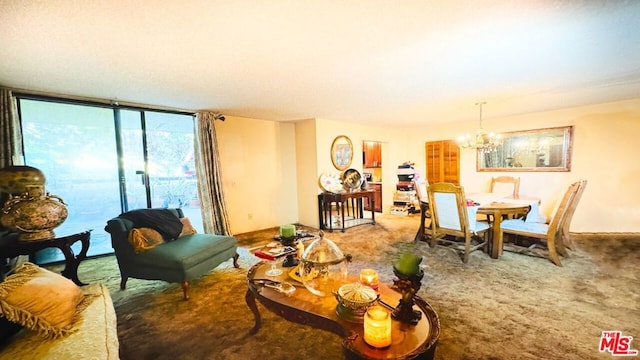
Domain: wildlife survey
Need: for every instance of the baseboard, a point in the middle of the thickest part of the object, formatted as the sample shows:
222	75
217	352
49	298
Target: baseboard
604	235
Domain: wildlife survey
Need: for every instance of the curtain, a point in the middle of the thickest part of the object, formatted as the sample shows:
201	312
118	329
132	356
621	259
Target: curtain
10	131
214	211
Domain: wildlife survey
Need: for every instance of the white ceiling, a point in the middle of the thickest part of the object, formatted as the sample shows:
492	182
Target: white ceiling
377	62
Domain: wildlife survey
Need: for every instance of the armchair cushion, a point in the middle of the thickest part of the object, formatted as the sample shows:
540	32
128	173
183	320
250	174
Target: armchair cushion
523	226
175	255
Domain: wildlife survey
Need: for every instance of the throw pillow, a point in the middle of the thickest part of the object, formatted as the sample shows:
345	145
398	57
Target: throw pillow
42	301
187	228
143	239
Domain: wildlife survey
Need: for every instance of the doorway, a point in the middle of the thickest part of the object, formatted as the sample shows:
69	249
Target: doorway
372	171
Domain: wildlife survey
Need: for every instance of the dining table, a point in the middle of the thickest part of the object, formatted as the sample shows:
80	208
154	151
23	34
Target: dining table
501	206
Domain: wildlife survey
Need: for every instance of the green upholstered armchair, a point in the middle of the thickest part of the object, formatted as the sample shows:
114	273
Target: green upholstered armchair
176	260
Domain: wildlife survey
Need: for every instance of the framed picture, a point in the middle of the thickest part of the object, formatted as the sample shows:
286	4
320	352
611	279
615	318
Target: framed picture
341	152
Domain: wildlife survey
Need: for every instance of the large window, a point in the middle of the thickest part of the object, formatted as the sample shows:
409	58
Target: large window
106	160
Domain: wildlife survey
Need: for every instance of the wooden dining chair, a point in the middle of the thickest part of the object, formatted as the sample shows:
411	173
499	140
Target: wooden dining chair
547	236
452	223
506	184
424	231
564	229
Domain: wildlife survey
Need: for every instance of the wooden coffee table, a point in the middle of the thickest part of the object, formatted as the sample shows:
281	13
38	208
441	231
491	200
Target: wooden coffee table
409	342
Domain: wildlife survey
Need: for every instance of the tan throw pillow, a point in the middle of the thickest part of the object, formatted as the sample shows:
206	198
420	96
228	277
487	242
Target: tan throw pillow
42	301
187	228
143	239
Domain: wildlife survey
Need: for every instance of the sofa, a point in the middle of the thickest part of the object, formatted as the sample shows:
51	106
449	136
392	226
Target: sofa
92	335
161	244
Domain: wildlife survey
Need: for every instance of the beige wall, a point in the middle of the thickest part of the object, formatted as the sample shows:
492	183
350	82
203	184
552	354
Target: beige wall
605	151
307	166
259	157
258	161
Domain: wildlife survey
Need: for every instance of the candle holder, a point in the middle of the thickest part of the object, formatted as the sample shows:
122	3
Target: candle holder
369	277
408	286
291	260
377	327
289	237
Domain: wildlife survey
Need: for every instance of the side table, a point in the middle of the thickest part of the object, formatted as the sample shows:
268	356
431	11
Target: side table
11	247
326	199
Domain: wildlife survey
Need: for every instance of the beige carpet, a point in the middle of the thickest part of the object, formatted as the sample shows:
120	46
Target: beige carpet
517	307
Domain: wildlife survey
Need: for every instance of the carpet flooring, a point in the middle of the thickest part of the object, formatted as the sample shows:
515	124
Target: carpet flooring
515	307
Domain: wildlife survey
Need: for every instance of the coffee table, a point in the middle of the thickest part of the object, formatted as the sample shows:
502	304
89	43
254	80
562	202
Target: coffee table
409	342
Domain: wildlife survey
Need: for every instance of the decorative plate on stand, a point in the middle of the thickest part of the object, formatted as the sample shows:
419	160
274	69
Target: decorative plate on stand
351	179
330	183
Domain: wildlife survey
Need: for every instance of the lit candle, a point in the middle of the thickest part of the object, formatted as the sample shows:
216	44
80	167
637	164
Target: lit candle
377	327
369	277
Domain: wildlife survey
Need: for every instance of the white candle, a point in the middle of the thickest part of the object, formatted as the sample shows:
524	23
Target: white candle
377	327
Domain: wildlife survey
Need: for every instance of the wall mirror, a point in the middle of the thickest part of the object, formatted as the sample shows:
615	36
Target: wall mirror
530	150
341	152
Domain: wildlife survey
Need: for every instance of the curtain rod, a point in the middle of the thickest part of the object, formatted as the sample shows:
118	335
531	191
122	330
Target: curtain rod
40	95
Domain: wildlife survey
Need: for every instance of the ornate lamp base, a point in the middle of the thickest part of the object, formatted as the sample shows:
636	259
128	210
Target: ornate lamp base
408	286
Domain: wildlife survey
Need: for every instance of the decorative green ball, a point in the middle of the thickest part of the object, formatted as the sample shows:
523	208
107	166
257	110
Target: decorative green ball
408	264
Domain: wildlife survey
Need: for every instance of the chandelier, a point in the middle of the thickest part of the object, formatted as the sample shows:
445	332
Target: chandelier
483	141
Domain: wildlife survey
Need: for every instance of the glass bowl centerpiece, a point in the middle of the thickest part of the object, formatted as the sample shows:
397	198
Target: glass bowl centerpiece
323	267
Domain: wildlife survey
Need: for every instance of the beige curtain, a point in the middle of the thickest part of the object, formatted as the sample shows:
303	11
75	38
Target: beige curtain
10	131
214	210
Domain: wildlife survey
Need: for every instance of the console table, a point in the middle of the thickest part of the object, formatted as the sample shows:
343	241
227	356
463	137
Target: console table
11	246
349	201
409	341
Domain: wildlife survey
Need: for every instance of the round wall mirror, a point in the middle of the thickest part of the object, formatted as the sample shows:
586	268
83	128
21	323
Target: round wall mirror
341	152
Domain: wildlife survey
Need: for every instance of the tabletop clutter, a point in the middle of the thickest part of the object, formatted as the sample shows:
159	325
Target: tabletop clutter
321	268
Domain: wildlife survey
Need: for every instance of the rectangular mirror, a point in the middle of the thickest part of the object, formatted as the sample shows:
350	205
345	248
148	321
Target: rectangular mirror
530	150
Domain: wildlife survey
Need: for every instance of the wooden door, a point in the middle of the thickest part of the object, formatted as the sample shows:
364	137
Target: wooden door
443	161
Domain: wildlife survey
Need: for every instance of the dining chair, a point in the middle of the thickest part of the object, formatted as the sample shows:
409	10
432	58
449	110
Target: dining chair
564	229
453	223
549	236
425	217
505	185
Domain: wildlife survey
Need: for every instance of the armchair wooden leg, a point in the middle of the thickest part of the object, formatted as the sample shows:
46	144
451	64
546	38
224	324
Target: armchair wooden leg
235	261
123	282
185	290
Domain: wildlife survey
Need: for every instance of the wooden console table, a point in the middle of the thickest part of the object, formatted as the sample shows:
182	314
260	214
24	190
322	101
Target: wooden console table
11	246
409	341
350	201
